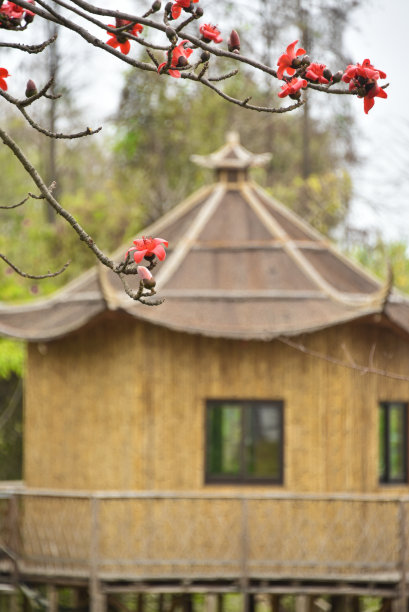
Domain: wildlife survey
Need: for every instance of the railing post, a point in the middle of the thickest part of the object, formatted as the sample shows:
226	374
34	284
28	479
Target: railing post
244	553
96	596
402	556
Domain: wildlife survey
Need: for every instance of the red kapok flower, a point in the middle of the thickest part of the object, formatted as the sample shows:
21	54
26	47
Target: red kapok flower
292	87
179	58
315	73
210	33
363	78
364	70
374	92
3	75
13	11
285	60
178	5
148	247
120	40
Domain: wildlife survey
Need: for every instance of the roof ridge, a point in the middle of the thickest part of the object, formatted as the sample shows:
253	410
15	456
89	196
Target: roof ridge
185	243
299	258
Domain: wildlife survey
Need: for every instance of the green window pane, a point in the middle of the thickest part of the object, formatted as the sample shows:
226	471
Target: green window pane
244	441
263	441
382	446
224	440
393	440
396	442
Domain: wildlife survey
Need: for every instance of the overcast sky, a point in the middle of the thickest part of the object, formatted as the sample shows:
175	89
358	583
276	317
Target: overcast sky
382	180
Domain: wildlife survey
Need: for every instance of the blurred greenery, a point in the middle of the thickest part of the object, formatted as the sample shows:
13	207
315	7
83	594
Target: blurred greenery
378	257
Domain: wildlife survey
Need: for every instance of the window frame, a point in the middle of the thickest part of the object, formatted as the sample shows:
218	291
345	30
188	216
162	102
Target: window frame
386	479
243	478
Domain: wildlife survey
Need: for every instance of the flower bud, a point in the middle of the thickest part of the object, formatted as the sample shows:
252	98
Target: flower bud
29	17
296	63
144	273
306	60
337	76
205	56
233	44
182	61
199	12
171	34
168	10
295	96
327	74
31	89
149	283
156	6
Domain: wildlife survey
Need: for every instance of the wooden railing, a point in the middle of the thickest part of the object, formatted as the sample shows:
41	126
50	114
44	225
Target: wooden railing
141	535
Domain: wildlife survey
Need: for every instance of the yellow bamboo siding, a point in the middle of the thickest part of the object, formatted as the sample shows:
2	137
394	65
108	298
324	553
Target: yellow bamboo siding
121	406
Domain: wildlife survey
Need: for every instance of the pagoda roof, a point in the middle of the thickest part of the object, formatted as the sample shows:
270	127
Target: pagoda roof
239	265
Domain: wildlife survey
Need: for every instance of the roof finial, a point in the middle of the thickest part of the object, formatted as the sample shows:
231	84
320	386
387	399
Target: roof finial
231	155
233	138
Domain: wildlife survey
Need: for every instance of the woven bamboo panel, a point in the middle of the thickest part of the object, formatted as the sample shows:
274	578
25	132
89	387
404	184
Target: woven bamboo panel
239	537
122	406
55	532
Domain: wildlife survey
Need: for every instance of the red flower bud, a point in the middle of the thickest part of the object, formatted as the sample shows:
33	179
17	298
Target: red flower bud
233	44
31	89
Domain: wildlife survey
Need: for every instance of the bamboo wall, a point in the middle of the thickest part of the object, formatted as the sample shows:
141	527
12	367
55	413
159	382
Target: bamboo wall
121	404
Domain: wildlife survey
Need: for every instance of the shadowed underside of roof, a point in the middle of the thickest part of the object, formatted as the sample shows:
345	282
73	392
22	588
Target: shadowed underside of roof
239	265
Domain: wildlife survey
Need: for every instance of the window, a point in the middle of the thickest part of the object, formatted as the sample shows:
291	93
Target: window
393	441
244	441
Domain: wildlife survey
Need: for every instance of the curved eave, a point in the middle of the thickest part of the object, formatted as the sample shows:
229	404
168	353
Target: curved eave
52	322
267	321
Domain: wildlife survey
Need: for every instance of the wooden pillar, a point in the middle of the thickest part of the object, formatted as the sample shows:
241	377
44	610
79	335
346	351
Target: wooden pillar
303	603
52	598
211	603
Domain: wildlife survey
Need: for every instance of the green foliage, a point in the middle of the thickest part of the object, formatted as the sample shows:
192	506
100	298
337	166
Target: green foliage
380	256
321	199
12	356
161	123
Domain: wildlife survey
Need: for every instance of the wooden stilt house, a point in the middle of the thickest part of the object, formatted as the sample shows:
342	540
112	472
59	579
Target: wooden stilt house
249	435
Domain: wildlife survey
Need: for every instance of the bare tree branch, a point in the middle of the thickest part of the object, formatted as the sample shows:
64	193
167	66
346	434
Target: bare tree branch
30	48
33	276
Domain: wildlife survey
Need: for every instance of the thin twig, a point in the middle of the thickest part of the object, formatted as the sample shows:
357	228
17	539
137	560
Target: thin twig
30	48
364	369
33	276
15	205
